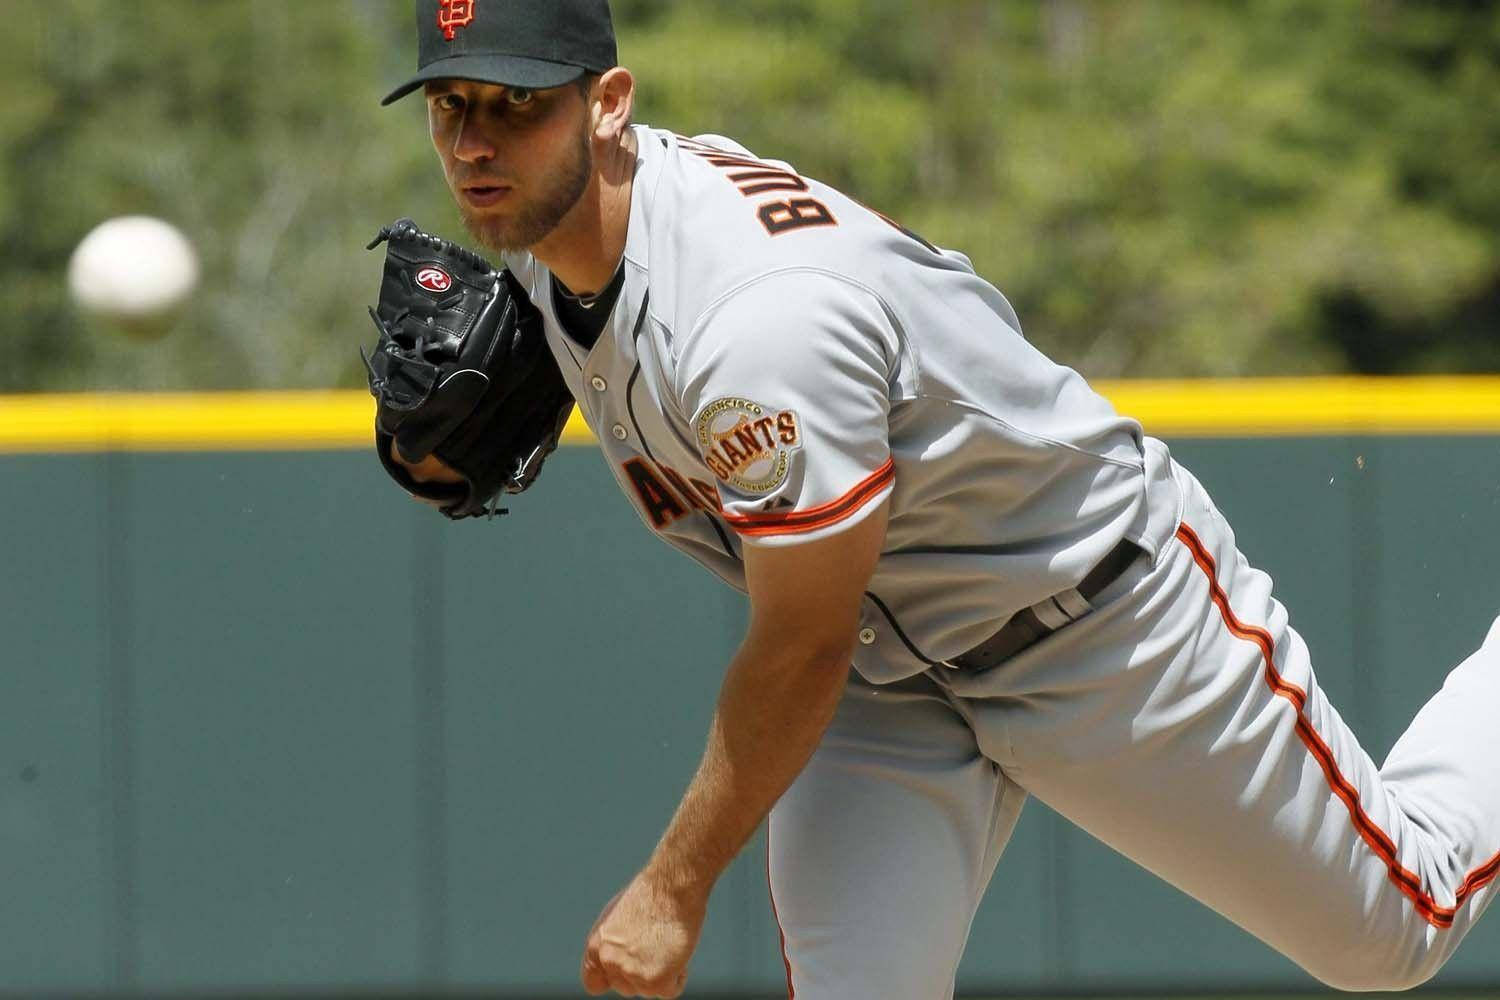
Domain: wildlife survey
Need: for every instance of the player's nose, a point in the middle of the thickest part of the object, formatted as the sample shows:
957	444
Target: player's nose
473	144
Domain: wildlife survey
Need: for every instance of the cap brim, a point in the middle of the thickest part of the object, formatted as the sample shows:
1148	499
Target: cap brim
507	71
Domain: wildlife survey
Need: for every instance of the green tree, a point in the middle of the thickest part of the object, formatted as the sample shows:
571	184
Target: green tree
1162	187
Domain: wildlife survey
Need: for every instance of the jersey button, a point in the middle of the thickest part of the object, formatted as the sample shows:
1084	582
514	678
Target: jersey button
619	431
598	383
866	636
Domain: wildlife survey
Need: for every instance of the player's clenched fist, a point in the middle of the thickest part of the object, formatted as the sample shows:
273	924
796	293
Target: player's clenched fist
642	942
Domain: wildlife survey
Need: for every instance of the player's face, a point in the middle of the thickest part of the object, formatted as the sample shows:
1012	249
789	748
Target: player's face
516	160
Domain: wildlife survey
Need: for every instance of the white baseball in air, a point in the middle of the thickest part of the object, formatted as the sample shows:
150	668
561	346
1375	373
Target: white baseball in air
133	268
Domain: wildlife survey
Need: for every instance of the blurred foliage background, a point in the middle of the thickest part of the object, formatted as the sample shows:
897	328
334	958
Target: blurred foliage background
1162	187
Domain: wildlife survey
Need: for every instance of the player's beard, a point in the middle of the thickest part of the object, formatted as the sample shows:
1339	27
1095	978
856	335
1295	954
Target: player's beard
532	222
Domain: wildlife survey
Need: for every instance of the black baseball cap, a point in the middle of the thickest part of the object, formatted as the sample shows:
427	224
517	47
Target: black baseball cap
514	43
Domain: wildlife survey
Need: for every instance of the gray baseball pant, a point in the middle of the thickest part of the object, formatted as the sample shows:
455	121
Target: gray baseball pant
1180	723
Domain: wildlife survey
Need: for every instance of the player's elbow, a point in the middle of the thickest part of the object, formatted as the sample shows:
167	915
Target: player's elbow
810	655
799	645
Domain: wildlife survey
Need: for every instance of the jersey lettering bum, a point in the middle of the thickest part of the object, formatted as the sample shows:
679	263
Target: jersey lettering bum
756	177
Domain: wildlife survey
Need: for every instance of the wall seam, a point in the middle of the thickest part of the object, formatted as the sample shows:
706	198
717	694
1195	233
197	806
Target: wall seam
118	721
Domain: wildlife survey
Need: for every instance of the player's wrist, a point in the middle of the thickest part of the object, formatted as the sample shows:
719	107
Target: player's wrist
685	884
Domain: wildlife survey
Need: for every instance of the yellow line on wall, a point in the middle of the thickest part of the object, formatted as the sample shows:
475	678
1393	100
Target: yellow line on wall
1287	407
340	419
209	421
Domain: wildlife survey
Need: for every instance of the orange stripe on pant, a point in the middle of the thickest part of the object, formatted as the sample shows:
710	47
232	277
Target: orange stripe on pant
791	991
1377	839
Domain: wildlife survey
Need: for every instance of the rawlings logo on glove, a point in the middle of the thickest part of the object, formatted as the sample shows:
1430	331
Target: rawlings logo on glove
461	372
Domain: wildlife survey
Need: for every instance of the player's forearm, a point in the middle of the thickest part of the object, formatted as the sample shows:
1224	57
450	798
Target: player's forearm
773	708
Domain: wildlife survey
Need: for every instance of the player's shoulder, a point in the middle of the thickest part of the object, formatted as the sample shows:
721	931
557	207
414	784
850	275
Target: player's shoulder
734	233
796	324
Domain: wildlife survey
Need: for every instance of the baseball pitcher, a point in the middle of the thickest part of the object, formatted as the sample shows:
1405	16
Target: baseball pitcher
970	580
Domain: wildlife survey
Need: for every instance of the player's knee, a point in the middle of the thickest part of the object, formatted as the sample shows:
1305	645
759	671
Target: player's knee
1380	966
1360	983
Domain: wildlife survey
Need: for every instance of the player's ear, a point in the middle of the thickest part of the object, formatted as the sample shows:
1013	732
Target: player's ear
613	103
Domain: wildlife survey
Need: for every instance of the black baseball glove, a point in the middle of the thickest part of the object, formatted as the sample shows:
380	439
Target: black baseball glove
461	371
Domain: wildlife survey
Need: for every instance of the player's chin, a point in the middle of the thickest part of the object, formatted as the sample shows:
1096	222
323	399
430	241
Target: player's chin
492	231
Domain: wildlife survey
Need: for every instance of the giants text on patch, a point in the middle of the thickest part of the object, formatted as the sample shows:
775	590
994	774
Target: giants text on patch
747	445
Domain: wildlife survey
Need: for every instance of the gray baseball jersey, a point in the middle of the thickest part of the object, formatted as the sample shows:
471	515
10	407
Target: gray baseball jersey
780	360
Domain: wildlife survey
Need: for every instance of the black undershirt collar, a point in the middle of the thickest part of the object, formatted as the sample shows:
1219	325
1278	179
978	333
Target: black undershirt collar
583	317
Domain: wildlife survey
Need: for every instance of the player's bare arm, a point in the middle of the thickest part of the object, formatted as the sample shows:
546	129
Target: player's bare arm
777	699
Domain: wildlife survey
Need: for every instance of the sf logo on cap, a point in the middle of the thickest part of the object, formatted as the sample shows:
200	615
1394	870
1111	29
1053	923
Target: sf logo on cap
455	14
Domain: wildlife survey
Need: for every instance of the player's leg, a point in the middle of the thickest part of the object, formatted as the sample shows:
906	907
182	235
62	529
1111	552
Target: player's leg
881	849
1181	723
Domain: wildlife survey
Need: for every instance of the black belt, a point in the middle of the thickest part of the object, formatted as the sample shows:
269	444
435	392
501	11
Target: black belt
1031	625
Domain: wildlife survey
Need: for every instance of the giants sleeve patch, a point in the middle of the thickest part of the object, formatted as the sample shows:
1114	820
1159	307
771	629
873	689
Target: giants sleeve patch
748	446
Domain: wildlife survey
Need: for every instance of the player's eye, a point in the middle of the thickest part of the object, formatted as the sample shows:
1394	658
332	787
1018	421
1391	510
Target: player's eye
448	102
518	97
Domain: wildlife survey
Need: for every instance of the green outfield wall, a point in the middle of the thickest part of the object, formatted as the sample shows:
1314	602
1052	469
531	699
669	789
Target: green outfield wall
266	726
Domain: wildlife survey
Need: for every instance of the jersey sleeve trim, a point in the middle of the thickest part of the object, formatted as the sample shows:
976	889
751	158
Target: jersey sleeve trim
798	521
